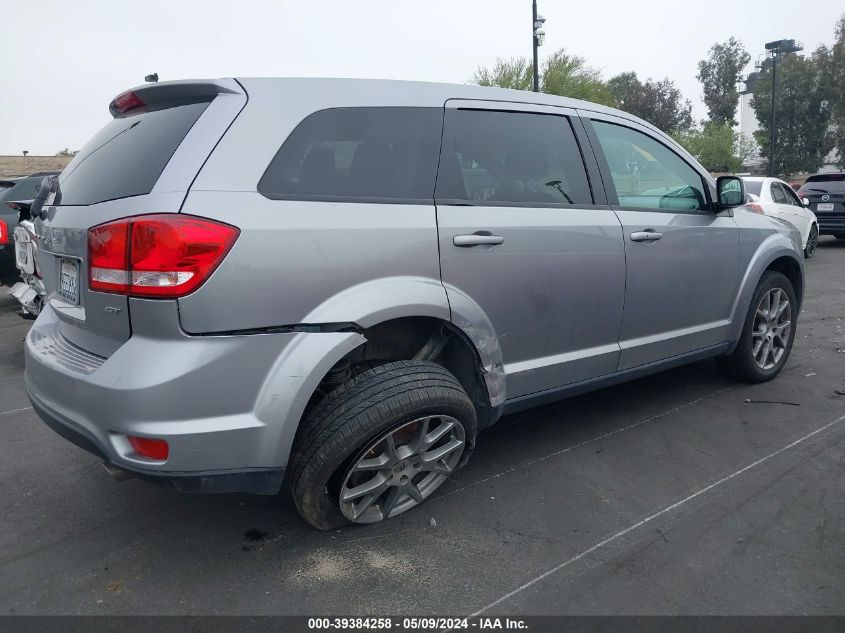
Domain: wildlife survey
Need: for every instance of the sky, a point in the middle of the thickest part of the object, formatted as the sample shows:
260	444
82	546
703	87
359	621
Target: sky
64	61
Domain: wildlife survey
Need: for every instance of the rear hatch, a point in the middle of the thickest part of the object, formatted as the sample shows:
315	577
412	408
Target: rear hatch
826	193
141	162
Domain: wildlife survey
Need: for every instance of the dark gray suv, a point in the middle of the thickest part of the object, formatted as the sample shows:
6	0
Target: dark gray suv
341	282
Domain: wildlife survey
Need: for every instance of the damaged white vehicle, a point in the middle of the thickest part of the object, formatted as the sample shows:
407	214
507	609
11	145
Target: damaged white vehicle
30	291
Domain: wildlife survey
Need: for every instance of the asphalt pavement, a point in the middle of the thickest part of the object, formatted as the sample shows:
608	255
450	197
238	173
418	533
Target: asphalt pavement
681	493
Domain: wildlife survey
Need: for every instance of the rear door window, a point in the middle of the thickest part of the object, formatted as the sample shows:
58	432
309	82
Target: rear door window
511	158
127	156
378	154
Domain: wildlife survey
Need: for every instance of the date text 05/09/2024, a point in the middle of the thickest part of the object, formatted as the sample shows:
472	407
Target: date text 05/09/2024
417	624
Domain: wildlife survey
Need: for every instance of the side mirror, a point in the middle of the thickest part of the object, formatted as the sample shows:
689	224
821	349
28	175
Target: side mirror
730	191
805	202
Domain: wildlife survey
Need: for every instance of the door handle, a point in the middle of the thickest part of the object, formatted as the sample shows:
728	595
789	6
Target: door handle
646	236
476	239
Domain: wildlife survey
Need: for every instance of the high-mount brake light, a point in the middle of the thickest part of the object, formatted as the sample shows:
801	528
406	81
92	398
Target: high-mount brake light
165	255
126	102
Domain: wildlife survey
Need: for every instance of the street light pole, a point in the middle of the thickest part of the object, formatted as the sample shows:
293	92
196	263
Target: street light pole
774	135
538	36
534	44
778	48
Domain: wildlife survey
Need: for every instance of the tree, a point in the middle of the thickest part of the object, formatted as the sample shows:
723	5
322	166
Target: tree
719	74
832	66
66	152
570	76
716	146
561	74
658	102
515	73
744	147
802	114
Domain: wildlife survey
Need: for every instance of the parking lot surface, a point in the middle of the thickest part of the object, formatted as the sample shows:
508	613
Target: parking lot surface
681	493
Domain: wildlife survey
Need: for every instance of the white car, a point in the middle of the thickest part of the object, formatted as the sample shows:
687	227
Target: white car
772	196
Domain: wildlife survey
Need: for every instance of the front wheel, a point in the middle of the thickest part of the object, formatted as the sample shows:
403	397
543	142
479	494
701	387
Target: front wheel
381	444
812	242
768	331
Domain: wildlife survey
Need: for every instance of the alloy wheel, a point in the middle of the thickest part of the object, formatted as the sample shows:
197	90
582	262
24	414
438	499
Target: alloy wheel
402	468
812	242
772	326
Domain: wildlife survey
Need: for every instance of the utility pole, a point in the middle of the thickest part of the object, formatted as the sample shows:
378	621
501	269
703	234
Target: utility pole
778	48
537	40
774	135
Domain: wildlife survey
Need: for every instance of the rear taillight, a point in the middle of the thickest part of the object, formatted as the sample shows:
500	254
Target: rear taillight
4	233
108	257
149	447
166	256
754	208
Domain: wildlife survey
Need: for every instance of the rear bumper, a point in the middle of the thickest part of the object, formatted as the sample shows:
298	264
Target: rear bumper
832	223
228	406
266	481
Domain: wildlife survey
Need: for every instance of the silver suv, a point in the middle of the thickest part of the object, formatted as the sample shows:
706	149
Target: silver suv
344	281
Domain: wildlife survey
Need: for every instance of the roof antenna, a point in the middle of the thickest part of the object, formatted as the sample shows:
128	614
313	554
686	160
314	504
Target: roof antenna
151	78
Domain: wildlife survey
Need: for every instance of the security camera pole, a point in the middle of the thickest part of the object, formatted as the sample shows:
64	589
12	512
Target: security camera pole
539	35
777	48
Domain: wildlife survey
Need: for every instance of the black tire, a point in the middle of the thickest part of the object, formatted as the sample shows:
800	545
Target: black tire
341	426
812	242
741	364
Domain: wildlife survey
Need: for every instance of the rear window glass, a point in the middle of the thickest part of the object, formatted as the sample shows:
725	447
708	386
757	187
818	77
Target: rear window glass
753	187
24	189
827	183
127	156
381	154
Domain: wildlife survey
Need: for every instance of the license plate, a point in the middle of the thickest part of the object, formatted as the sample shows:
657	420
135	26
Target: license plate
21	254
69	281
825	206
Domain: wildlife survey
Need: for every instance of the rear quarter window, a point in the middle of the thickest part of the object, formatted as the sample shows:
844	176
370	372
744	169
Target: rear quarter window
380	154
127	156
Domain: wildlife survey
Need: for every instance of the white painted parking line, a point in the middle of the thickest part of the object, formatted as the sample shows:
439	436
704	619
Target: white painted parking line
585	442
15	411
656	515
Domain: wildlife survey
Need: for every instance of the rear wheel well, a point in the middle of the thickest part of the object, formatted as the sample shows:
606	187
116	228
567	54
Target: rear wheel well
414	338
792	270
